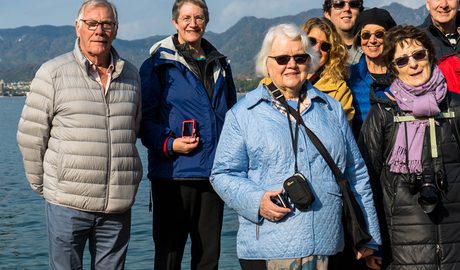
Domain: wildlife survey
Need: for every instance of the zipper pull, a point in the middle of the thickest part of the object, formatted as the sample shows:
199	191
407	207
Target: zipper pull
257	231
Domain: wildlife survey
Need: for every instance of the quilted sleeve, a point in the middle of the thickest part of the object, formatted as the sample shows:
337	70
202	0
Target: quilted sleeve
34	127
229	175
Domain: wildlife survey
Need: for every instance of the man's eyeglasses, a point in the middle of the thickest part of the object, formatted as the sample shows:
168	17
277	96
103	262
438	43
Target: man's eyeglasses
418	55
92	25
365	35
341	4
198	20
284	59
324	46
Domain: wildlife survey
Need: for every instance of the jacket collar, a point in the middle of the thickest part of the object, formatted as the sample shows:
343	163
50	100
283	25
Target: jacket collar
362	67
364	72
327	85
379	92
85	64
428	23
170	49
261	94
166	50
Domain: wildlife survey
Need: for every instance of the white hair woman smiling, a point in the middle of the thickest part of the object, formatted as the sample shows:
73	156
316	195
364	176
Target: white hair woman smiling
261	146
291	32
286	57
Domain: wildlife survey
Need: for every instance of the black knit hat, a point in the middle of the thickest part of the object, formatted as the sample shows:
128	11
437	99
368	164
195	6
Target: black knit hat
374	16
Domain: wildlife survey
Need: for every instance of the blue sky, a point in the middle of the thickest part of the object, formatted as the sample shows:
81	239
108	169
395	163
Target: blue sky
144	18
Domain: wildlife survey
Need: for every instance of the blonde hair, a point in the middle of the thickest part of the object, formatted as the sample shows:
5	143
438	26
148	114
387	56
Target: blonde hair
335	69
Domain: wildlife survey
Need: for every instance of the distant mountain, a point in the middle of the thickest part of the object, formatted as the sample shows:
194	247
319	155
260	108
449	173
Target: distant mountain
24	49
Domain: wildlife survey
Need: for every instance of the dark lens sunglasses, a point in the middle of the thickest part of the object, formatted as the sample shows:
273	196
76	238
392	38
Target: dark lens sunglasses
341	4
284	59
324	46
418	55
365	35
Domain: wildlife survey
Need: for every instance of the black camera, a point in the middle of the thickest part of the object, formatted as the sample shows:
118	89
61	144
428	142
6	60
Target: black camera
299	191
280	200
426	184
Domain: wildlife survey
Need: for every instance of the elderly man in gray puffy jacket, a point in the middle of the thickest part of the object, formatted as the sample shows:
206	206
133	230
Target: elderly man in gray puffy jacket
77	135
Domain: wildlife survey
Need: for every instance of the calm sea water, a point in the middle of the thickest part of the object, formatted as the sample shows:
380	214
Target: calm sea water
23	239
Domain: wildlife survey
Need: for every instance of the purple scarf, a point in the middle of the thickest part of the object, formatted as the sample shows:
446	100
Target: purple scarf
421	101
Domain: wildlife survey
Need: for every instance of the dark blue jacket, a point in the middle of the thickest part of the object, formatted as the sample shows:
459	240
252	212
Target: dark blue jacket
172	92
442	44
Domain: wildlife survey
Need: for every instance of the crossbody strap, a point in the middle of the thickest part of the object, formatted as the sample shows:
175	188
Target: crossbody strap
313	138
279	96
322	150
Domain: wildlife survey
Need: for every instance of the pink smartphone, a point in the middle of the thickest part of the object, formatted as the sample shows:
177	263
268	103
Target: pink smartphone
189	129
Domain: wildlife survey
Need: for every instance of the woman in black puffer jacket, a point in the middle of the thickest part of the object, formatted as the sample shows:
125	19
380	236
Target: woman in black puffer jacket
419	219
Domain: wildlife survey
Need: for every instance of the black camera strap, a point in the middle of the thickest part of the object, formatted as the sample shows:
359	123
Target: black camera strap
279	96
312	136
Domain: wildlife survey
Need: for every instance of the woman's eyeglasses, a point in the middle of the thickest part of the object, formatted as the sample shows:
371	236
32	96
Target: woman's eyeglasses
188	20
341	4
365	35
284	59
324	46
418	55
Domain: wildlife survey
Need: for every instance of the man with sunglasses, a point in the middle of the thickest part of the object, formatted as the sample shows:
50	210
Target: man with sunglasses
442	26
343	15
77	135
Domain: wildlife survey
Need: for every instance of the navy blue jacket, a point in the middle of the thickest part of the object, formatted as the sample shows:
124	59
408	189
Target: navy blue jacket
442	44
172	92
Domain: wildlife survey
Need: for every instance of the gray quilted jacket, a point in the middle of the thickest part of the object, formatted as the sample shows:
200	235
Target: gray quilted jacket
79	149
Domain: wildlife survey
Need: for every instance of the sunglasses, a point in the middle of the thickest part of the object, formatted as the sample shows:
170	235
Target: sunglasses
365	35
418	55
284	59
324	46
341	4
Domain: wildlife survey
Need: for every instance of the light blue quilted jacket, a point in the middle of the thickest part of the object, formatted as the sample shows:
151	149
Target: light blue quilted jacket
255	155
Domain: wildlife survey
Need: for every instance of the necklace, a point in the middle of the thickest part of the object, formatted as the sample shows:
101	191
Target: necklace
372	76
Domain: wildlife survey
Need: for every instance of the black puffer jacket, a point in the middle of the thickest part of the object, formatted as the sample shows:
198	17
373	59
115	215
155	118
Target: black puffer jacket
411	238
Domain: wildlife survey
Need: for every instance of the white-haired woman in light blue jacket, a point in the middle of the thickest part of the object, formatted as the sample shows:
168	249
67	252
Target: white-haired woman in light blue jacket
255	156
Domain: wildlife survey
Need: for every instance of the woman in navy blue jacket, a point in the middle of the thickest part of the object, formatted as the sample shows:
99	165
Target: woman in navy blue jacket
185	78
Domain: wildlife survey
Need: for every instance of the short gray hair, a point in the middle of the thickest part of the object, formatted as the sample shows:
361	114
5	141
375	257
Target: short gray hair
291	32
179	3
95	3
